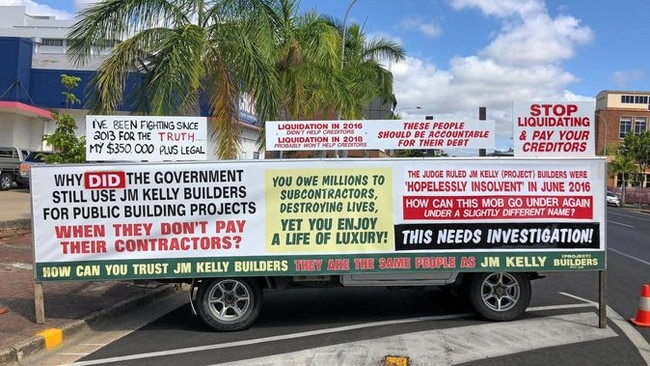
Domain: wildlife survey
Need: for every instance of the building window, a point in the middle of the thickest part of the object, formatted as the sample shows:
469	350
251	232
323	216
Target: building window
634	99
52	42
640	125
625	127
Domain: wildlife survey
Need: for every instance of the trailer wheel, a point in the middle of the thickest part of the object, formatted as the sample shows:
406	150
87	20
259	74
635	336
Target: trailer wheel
500	296
6	181
229	304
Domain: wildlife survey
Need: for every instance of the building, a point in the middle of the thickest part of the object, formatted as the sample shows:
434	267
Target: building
619	113
33	49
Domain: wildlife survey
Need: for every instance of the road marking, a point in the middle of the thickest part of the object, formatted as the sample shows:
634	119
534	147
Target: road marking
632	334
91	340
446	346
619	223
249	342
629	256
637	216
451	346
557	307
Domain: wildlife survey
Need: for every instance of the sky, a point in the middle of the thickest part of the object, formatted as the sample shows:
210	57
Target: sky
466	54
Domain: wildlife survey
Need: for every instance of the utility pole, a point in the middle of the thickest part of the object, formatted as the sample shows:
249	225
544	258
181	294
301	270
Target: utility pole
482	116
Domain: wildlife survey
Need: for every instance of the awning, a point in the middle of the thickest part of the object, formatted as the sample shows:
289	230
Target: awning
24	109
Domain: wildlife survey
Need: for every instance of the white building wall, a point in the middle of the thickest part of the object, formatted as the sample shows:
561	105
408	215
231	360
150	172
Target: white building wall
21	131
14	22
249	142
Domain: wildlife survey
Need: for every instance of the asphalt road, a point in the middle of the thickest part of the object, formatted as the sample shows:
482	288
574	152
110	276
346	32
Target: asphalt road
431	327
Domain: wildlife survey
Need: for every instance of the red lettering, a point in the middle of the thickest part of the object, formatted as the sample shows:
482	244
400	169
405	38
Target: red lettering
104	180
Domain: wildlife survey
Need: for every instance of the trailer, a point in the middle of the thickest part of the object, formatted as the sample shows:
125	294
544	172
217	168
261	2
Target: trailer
484	227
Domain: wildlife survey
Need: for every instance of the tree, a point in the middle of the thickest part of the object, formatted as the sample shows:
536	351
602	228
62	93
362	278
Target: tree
360	62
67	147
308	64
361	65
185	50
622	165
637	147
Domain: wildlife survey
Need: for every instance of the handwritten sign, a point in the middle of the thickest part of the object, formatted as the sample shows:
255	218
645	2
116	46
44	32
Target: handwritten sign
145	138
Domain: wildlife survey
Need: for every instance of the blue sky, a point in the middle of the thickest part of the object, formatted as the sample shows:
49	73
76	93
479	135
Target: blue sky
464	54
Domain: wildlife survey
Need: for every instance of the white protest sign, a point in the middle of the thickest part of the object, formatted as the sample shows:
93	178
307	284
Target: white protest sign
554	129
145	138
378	134
300	217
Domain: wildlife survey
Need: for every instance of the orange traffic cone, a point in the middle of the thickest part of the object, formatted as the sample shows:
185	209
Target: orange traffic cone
643	313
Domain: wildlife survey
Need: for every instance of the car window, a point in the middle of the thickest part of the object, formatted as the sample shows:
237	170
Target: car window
36	157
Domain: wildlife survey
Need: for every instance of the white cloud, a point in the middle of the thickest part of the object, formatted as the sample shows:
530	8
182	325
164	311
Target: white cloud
34	8
623	78
521	63
426	27
81	4
539	39
502	8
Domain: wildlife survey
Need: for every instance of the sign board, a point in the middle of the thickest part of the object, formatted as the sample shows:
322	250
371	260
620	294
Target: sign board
301	217
554	129
145	138
378	134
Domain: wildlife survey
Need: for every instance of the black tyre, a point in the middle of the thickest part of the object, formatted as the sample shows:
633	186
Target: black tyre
6	181
500	296
229	304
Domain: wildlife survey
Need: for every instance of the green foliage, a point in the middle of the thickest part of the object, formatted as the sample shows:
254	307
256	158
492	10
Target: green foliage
306	59
69	83
636	147
409	153
623	165
184	49
67	147
418	153
362	66
290	63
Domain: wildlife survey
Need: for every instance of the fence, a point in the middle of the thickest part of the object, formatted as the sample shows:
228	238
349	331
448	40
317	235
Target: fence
634	195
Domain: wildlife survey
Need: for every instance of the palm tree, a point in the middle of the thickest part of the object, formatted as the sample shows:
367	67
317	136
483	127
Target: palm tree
360	62
187	49
623	164
308	64
636	146
362	66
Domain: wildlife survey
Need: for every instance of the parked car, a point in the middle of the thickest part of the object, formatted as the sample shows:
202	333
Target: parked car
10	158
612	199
33	158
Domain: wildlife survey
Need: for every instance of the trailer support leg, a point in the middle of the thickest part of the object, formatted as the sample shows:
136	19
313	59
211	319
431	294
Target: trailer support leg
602	299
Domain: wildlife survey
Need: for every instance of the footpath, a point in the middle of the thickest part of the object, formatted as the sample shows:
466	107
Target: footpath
70	307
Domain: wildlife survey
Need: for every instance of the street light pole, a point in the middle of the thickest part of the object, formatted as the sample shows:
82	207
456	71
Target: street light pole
344	153
345	27
401	108
394	111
